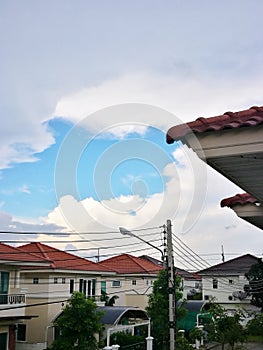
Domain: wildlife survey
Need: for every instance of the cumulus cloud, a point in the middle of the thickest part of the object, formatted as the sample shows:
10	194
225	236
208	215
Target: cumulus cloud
187	97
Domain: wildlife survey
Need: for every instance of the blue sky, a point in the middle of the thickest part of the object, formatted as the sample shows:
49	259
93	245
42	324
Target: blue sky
88	90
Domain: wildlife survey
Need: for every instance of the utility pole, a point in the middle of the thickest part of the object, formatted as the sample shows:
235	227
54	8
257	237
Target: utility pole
171	285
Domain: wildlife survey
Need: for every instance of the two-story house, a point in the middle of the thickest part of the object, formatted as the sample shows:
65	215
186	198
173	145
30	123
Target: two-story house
12	296
48	288
225	282
133	280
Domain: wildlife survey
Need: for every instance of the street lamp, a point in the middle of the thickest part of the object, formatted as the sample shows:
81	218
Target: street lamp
124	232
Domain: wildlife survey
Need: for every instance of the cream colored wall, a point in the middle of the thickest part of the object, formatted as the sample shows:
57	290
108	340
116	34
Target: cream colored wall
128	293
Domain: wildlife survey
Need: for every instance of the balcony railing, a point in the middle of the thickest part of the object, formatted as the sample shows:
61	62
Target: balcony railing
12	298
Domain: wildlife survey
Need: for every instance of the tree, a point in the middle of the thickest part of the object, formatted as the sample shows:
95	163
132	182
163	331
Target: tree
78	324
109	301
227	329
255	278
158	310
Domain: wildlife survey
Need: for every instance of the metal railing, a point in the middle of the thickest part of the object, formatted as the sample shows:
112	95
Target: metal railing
12	298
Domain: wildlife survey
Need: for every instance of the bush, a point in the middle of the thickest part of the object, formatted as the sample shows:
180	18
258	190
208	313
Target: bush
255	326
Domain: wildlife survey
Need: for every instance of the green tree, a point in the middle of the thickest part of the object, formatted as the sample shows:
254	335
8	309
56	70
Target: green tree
78	324
255	278
109	301
158	309
255	326
227	329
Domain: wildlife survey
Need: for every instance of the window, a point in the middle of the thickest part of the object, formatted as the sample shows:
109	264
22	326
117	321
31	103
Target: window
63	280
93	288
21	332
71	286
230	281
134	282
3	341
81	285
35	280
55	280
215	283
103	287
116	283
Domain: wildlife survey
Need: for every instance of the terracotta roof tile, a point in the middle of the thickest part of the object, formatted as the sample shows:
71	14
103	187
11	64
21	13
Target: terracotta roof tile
229	120
11	253
126	263
61	259
242	199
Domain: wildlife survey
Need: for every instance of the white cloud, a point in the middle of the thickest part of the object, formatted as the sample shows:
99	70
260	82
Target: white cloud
188	97
205	231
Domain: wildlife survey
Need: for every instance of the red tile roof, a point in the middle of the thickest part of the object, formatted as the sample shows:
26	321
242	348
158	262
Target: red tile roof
126	263
244	198
61	259
10	253
229	120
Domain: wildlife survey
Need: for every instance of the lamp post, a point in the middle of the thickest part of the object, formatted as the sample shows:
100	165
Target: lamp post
124	232
170	272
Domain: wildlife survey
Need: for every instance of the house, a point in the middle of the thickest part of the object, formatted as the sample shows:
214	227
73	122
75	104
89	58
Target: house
191	282
133	280
232	144
225	282
48	288
13	301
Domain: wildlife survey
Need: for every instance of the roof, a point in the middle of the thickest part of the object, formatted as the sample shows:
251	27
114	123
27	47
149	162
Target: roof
12	254
126	263
183	273
239	265
244	198
113	314
61	259
229	120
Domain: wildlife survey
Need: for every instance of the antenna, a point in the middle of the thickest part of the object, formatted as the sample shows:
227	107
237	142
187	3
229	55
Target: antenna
223	254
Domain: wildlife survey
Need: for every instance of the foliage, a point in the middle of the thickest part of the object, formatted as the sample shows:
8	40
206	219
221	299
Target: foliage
255	278
158	309
182	343
78	324
227	329
255	326
126	340
109	301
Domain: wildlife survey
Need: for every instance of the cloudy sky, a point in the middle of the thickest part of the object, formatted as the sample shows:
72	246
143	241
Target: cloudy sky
88	91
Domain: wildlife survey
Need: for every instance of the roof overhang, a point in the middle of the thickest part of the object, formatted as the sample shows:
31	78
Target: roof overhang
235	150
246	207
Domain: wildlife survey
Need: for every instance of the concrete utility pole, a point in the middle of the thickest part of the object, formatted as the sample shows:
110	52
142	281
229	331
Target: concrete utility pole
171	285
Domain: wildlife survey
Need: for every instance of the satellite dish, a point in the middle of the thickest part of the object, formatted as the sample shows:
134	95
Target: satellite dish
240	295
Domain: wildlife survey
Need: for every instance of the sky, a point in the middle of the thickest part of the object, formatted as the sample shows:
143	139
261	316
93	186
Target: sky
88	91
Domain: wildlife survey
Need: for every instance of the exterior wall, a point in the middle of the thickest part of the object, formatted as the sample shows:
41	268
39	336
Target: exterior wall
132	291
223	294
51	291
190	284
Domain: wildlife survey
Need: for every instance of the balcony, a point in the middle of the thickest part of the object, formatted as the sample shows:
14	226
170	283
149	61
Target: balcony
12	305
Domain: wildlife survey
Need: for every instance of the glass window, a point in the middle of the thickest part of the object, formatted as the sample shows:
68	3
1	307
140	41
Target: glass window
116	283
63	280
71	286
81	285
134	282
215	283
21	332
55	280
35	280
103	287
